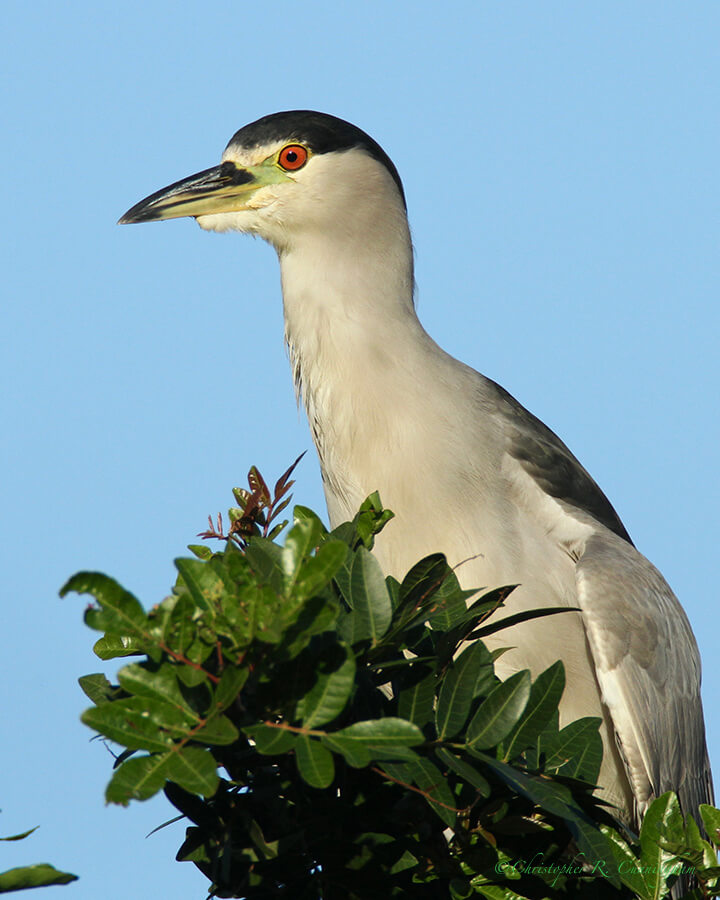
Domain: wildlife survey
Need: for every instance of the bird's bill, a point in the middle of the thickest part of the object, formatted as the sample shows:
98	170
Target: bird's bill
222	189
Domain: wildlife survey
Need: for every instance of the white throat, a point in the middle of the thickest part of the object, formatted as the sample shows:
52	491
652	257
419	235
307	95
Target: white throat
349	326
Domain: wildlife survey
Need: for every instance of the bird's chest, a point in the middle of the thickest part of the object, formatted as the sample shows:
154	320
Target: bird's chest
448	493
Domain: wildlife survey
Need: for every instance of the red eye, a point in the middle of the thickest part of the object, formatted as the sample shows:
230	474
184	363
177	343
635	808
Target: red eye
292	157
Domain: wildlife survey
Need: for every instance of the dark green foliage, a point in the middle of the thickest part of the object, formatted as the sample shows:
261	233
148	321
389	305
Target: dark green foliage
329	734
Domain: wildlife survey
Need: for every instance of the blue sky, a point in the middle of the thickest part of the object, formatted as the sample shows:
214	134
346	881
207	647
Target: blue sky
560	164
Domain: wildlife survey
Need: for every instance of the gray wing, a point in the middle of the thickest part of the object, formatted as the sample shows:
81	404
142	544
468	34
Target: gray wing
648	668
646	659
551	464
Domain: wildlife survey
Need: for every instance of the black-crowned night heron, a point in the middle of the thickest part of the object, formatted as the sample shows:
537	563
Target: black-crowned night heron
390	411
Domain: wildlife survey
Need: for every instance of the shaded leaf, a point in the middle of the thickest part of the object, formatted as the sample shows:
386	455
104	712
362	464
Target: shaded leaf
269	740
544	698
328	696
464	770
355	753
415	703
314	762
575	746
388	738
526	616
459	687
557	800
428	778
230	684
499	712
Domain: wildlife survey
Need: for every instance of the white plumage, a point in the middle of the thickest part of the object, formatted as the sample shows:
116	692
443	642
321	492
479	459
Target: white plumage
390	411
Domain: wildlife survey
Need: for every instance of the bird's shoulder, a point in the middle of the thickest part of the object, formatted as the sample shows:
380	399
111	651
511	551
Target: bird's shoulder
546	459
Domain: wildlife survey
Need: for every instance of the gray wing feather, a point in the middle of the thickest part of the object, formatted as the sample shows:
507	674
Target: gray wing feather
552	465
648	668
646	659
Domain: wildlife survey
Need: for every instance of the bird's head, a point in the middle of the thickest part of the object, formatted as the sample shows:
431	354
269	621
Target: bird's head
284	174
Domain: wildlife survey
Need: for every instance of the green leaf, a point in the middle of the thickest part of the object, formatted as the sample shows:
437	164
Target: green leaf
270	741
314	762
625	862
656	863
458	689
304	512
464	770
267	850
97	688
316	572
194	769
371	519
495	891
265	559
181	624
112	646
544	699
387	738
370	600
120	611
38	875
155	683
228	688
329	695
421	584
557	800
355	754
21	836
218	730
528	615
499	712
711	821
449	603
428	778
204	582
202	551
302	538
575	746
138	778
138	723
415	703
478	611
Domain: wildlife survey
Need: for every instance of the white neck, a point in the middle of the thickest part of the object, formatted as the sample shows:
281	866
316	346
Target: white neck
350	326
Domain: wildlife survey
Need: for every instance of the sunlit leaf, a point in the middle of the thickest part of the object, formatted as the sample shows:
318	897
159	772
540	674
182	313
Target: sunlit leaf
34	876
